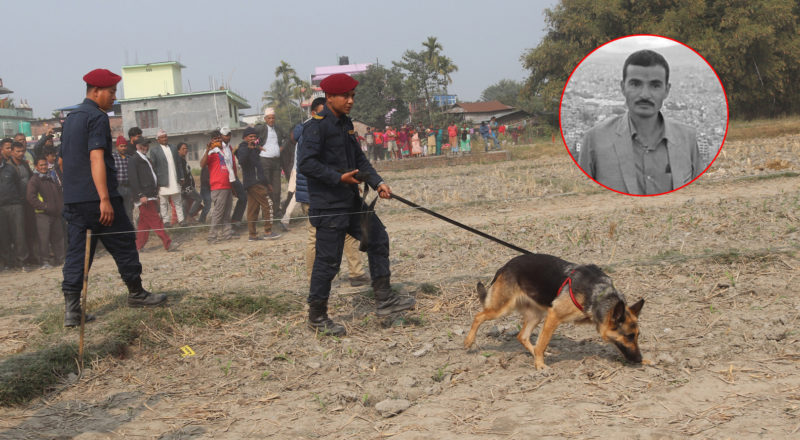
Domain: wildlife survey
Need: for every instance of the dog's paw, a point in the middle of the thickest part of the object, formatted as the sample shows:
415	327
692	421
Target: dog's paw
647	362
540	366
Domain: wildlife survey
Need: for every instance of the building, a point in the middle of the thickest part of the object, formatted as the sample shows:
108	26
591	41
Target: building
15	119
154	99
477	112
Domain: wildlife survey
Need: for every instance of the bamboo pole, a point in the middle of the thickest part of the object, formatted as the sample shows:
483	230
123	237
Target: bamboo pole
84	293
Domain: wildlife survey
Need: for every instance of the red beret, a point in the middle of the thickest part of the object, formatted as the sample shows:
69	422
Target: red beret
121	140
101	78
338	83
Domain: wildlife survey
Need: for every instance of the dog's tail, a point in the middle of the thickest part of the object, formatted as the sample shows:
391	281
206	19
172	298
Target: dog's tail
481	291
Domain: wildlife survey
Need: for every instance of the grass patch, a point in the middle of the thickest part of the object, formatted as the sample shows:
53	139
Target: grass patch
429	289
28	375
763	128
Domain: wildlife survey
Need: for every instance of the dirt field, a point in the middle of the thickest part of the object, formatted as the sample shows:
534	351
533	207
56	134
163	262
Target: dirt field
717	263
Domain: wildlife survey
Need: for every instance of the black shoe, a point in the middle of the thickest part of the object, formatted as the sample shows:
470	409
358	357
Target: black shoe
319	321
72	307
388	301
138	297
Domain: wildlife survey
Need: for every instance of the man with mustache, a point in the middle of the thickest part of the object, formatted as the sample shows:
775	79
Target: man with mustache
641	152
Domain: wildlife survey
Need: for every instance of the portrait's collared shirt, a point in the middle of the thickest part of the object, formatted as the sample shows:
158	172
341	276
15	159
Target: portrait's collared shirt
653	173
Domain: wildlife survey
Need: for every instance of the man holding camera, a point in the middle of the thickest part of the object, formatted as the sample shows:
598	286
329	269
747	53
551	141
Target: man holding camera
330	157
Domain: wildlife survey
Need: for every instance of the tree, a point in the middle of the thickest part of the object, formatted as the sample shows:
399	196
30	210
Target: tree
428	73
380	93
285	95
506	91
754	46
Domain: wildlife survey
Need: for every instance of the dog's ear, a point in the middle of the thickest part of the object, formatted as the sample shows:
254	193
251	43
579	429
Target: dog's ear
619	312
636	308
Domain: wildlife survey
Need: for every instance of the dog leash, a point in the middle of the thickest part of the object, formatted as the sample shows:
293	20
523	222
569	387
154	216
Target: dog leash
460	225
571	295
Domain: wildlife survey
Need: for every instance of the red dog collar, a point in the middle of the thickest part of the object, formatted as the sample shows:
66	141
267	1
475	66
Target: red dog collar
571	295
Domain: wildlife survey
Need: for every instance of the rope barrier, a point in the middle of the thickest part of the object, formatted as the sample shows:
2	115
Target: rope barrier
419	208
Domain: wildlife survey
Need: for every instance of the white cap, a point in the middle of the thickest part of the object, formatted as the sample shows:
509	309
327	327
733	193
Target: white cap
225	131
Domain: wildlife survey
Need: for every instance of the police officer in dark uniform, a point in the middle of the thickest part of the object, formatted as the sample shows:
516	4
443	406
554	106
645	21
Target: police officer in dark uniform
91	199
330	156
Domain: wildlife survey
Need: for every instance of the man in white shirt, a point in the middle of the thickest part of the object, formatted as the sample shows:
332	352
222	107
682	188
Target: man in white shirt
272	144
164	158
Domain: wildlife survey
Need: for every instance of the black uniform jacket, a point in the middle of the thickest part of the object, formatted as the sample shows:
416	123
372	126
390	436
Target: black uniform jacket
329	149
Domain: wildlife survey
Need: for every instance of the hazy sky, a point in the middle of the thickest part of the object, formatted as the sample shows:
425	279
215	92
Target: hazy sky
51	44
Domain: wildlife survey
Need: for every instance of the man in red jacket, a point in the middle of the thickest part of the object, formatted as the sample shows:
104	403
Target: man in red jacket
221	165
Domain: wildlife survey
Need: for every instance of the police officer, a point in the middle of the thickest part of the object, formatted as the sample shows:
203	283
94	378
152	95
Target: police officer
91	199
330	157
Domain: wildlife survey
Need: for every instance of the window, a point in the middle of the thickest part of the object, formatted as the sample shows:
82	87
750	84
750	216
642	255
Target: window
147	119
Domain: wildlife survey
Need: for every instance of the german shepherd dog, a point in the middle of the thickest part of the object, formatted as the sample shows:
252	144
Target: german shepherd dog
543	286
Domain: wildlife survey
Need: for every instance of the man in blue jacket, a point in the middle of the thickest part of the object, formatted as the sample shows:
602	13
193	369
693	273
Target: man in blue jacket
330	157
91	199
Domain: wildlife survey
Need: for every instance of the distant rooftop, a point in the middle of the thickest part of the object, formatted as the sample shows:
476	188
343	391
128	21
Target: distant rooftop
481	107
160	63
323	72
243	102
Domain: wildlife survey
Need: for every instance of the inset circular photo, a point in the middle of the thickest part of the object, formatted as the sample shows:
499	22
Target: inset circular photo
644	115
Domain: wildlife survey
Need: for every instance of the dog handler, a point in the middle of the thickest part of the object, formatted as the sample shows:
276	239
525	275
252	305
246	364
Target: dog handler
91	199
330	156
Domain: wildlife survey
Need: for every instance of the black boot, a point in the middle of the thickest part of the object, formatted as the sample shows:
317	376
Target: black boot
72	307
388	301
318	319
138	297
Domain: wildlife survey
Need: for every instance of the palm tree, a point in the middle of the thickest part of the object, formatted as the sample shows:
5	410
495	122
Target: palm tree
279	94
285	72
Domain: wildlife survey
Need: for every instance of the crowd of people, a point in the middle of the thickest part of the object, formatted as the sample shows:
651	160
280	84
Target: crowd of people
409	141
159	189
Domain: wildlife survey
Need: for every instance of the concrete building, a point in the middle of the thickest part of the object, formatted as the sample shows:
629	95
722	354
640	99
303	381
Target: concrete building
154	79
154	99
16	119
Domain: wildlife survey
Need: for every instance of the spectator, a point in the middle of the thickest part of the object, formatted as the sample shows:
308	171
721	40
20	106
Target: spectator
493	132
380	145
370	139
255	183
164	159
272	144
25	172
13	249
391	143
120	156
144	190
192	202
44	195
43	142
221	165
452	135
464	132
236	185
52	166
134	133
485	133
